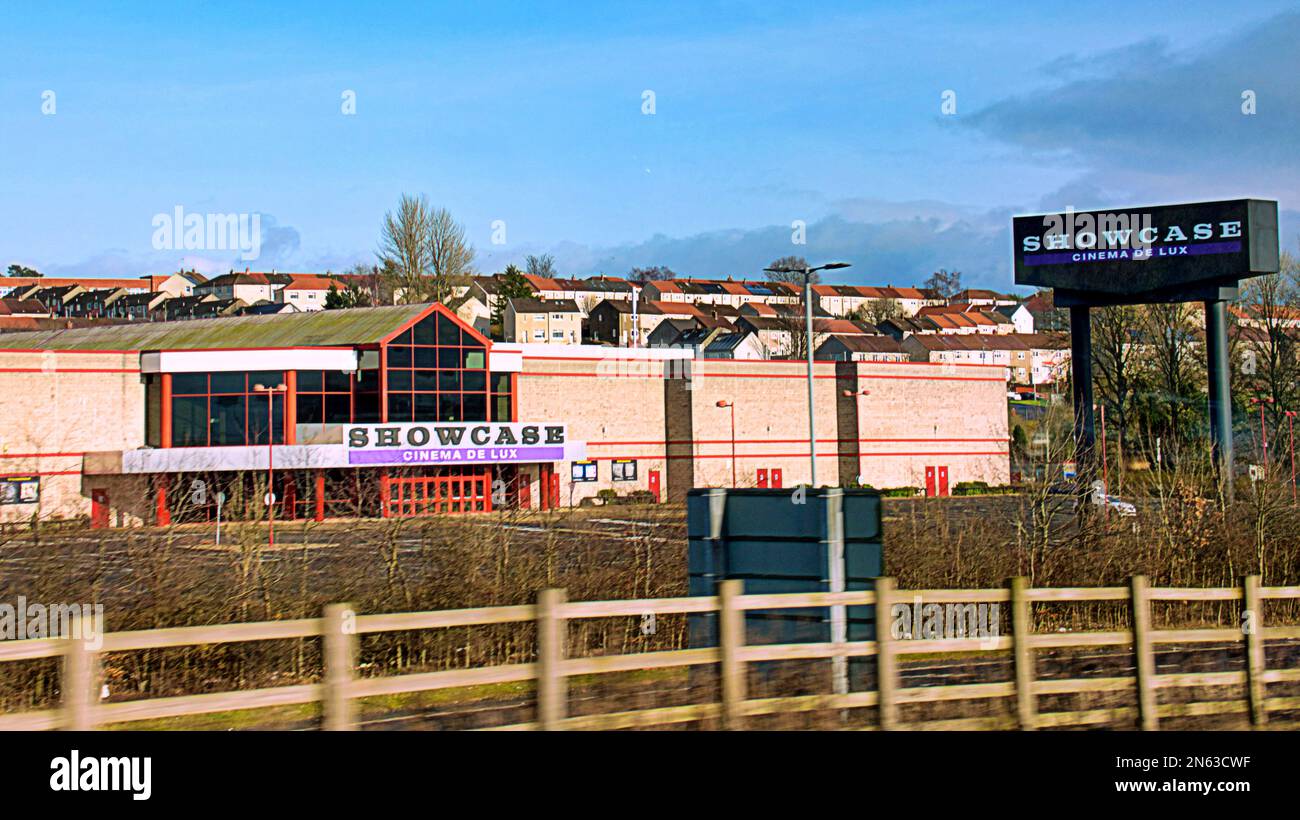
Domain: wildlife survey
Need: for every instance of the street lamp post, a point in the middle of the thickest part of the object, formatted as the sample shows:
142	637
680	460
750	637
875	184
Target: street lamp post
807	273
1263	430
732	405
270	456
857	394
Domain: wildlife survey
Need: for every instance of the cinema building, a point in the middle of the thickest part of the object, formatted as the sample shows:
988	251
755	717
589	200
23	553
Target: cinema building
406	410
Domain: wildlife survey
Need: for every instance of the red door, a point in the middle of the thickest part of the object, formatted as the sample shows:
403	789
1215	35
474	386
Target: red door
929	482
555	489
943	481
654	484
776	479
525	493
99	509
762	479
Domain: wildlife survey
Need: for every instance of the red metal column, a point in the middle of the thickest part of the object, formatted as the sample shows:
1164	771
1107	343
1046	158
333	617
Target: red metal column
383	493
165	412
290	407
162	515
320	495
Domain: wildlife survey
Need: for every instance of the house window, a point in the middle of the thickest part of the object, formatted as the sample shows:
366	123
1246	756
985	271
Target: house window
540	335
583	471
557	334
624	469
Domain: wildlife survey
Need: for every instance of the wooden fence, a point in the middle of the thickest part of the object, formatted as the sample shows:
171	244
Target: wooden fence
340	628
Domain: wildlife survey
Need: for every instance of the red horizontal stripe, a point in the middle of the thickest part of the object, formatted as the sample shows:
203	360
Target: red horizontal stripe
683	442
69	371
823	362
706	375
75	352
41	455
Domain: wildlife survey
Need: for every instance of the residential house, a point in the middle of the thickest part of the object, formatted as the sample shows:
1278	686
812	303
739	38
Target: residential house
861	348
305	291
91	303
137	307
181	307
23	308
527	319
983	298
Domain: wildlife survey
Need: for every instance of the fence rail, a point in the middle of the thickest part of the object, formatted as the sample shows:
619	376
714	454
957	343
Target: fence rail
340	630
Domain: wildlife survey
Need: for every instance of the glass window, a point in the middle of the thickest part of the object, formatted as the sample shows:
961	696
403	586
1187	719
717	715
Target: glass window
583	471
257	424
310	381
190	421
474	405
311	409
189	383
426	380
399	380
266	378
449	407
399	406
336	381
426	332
448	331
426	407
338	408
623	470
229	414
399	357
426	357
229	382
474	380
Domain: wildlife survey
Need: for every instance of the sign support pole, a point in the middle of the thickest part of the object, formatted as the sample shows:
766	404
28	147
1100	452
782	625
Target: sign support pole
1220	396
1085	438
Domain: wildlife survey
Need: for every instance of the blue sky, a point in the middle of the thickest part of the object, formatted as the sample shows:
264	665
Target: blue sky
765	113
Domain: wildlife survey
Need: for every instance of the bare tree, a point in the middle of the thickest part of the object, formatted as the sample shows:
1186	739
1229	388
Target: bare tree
945	283
1114	357
424	251
450	254
404	247
1172	392
876	311
658	273
1272	338
543	266
790	269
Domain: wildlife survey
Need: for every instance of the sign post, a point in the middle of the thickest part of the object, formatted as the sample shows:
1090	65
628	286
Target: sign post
1188	252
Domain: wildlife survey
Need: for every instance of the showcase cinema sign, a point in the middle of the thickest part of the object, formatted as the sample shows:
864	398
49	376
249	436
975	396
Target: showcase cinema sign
454	443
1140	250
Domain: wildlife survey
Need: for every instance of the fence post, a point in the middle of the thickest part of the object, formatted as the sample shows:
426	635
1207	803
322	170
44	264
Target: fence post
886	664
80	679
340	637
1144	655
552	686
1022	630
1255	687
731	638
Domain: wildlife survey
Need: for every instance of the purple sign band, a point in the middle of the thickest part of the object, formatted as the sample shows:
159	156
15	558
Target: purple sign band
1138	254
456	455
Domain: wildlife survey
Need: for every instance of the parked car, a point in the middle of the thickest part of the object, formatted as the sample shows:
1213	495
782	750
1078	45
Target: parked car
1124	508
